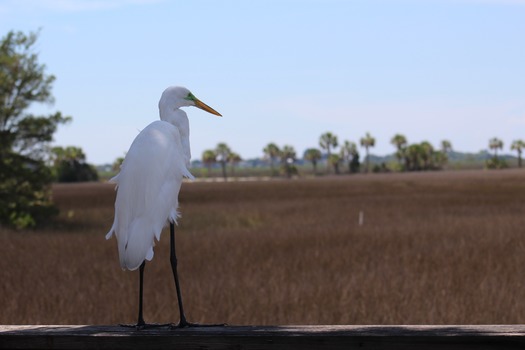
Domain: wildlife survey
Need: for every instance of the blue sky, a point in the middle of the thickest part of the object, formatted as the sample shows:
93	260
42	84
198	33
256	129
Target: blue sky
283	71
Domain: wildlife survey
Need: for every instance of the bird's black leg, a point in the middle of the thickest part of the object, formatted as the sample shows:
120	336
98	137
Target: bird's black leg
173	259
140	323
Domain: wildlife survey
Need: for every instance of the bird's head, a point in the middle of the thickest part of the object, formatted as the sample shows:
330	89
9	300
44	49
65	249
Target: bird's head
175	97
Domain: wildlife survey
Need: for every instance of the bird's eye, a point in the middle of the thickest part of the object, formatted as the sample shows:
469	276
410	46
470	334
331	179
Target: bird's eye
190	97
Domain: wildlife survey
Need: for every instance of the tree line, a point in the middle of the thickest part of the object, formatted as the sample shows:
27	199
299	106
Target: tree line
345	157
496	144
413	157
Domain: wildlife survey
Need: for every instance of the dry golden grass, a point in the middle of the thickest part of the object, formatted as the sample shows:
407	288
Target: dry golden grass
435	248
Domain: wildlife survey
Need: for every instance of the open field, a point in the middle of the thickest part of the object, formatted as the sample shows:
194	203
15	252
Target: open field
434	248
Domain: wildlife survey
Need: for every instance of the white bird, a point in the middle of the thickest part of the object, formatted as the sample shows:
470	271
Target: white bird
148	186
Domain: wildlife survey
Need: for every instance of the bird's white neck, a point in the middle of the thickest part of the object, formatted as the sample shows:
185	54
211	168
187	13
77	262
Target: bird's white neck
179	119
172	115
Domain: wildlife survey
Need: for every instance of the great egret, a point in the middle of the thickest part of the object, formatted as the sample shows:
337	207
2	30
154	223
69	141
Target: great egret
148	186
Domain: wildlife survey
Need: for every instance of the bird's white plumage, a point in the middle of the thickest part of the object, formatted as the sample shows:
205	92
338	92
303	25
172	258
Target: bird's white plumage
149	181
147	192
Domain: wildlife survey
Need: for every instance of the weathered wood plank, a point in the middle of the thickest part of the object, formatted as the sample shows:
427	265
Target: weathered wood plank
265	337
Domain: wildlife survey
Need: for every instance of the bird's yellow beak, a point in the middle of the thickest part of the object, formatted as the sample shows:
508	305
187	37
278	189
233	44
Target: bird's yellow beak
205	107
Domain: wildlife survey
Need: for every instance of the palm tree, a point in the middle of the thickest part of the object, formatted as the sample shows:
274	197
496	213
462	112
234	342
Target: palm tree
400	141
233	159
427	152
223	153
367	142
209	158
313	155
354	163
334	160
446	146
414	156
518	146
495	144
272	152
348	152
288	157
442	157
328	141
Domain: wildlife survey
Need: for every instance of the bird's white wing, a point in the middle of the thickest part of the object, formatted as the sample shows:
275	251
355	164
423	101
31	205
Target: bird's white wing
147	191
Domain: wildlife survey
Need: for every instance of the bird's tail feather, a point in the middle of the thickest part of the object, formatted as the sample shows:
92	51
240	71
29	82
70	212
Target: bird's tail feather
186	173
139	246
110	233
114	179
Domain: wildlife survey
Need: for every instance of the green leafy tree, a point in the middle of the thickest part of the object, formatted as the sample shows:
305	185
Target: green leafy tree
313	155
223	154
70	165
367	142
272	152
25	179
439	158
327	141
518	146
414	157
423	156
209	157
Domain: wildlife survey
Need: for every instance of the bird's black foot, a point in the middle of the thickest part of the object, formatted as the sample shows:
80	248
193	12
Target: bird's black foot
186	324
142	325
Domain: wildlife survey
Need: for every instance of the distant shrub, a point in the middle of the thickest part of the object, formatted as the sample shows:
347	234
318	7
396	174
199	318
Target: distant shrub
496	163
74	171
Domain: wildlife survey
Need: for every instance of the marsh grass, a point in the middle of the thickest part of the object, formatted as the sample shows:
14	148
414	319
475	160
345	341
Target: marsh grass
434	248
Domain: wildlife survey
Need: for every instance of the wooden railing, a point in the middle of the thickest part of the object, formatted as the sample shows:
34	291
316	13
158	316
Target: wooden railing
265	337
